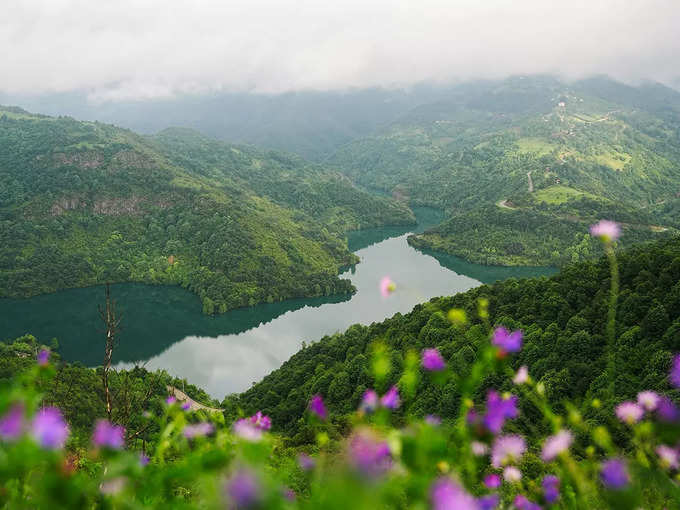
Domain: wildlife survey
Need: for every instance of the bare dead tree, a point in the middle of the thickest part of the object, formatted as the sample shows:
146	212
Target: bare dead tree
111	323
127	400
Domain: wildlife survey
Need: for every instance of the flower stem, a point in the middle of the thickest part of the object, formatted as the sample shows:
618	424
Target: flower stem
611	313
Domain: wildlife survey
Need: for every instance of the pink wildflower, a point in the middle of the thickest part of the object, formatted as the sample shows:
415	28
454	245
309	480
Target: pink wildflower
668	457
606	230
556	445
629	412
511	474
648	400
387	286
507	449
522	375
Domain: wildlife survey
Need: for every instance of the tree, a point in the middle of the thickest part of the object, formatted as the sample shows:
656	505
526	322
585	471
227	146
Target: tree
111	323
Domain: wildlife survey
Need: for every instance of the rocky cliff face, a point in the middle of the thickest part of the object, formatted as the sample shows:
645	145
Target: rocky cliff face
95	159
118	206
89	159
65	204
115	206
132	159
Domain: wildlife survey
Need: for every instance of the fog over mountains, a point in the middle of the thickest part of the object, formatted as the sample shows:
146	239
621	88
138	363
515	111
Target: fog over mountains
160	48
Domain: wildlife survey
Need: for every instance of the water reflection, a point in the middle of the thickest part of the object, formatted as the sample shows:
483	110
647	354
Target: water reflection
486	274
153	318
164	327
231	362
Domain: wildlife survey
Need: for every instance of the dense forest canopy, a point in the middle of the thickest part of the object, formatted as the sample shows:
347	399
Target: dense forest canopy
563	319
511	155
416	435
364	255
507	158
83	203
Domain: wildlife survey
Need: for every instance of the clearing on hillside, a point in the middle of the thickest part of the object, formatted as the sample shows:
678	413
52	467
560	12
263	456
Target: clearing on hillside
559	194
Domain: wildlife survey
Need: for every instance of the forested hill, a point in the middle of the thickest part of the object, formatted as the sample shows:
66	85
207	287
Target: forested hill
563	318
82	203
508	158
286	179
310	123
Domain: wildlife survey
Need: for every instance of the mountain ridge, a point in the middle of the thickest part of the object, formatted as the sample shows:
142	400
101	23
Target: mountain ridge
84	203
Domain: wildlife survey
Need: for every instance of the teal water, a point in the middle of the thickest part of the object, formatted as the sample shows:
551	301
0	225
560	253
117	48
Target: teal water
163	327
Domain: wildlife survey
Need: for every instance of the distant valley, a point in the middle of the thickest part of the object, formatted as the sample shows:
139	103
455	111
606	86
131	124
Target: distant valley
520	165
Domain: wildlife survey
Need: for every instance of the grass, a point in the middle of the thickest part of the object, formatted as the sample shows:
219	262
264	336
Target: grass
559	194
614	160
535	145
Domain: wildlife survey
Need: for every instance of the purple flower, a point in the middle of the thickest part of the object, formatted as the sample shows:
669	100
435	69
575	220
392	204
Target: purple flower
261	421
289	494
492	481
186	406
522	503
606	230
198	430
507	341
511	474
674	376
433	420
317	407
648	400
629	412
305	462
433	361
668	457
614	474
667	411
472	417
143	459
498	409
368	454
488	502
170	400
445	494
369	402
49	428
43	357
507	450
387	286
551	488
391	400
108	435
12	423
556	444
243	490
246	429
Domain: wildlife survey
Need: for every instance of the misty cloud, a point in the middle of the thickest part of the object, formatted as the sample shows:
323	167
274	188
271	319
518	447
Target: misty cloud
136	49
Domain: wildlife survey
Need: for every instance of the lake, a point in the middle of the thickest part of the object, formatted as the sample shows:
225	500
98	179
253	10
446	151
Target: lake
163	327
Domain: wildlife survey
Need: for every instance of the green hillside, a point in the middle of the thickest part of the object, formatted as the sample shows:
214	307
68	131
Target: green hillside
553	152
580	380
83	203
326	196
563	319
579	386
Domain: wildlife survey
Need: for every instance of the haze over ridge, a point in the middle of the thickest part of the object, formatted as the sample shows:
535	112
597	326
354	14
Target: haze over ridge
159	48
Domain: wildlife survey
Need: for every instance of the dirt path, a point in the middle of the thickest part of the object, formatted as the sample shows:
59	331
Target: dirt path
531	183
606	117
195	406
504	204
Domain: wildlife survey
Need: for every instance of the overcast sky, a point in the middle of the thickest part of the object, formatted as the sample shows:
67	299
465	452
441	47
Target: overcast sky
131	49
